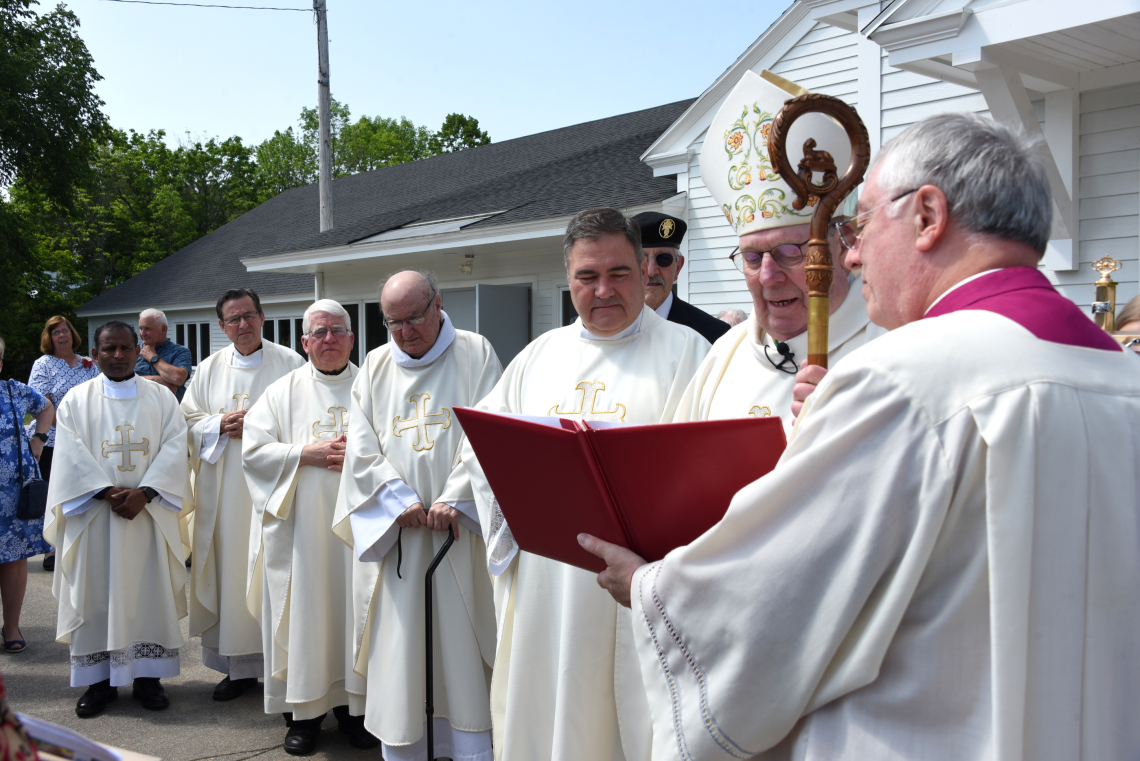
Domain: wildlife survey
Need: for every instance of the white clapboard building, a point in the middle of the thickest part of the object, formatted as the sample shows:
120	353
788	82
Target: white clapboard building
489	220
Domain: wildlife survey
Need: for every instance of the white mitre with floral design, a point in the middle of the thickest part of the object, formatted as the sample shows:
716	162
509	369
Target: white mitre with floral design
734	160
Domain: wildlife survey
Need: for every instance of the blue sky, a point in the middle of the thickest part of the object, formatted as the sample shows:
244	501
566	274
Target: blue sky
518	67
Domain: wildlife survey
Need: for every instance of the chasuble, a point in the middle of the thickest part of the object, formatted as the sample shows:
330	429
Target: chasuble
738	377
942	565
300	573
566	682
403	448
121	584
225	382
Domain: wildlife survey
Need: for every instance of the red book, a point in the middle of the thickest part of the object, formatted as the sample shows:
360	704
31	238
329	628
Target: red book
650	488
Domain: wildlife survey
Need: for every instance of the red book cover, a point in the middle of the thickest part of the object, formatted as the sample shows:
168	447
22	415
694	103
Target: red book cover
650	488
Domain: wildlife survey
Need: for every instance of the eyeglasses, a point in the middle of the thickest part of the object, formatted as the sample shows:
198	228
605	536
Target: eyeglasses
415	320
319	334
235	320
851	230
61	332
787	255
665	260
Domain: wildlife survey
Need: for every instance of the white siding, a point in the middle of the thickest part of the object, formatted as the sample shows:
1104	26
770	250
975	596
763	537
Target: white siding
824	60
909	97
1109	192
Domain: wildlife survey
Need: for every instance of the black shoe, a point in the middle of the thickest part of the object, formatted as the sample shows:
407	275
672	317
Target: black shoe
150	693
353	728
49	562
189	558
228	689
301	739
96	699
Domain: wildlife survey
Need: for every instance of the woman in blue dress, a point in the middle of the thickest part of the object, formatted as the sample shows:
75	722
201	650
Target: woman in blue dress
19	539
59	370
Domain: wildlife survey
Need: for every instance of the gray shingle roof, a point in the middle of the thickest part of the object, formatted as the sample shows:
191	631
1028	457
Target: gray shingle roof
550	174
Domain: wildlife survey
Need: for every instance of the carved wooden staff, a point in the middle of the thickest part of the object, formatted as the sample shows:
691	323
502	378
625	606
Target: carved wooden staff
830	191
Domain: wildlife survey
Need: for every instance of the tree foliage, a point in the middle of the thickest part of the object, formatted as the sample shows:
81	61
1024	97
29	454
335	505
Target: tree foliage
457	133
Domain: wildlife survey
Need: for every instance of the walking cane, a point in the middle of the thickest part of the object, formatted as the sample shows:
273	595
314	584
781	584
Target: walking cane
427	619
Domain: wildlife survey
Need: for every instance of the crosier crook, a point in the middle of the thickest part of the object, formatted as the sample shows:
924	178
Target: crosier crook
830	192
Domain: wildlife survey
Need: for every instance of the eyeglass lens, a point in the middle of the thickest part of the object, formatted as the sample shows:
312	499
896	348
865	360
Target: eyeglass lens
788	255
664	260
338	332
236	319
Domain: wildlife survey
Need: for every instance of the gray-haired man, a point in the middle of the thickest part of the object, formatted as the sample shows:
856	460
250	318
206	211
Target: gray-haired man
160	359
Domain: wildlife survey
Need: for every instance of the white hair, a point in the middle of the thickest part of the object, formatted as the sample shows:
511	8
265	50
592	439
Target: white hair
328	306
732	316
156	314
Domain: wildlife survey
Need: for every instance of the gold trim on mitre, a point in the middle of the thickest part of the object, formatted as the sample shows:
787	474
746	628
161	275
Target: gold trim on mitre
735	166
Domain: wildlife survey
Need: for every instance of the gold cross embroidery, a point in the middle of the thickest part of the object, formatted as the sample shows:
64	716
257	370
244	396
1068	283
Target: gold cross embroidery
336	428
758	411
590	391
421	422
125	447
241	402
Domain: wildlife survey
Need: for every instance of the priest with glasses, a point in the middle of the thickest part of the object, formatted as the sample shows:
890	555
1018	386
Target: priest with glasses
752	369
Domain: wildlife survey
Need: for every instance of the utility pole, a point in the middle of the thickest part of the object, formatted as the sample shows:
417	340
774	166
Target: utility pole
325	150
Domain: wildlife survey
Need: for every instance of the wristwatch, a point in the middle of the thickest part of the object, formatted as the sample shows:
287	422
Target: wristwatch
154	360
151	494
41	436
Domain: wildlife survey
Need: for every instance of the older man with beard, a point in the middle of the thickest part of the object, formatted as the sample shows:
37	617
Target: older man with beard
752	369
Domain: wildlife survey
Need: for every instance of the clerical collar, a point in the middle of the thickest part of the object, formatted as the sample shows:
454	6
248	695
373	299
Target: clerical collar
124	389
955	287
445	338
331	373
253	359
663	310
631	330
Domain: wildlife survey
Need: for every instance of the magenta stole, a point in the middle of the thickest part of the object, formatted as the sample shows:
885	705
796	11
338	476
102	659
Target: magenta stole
1026	296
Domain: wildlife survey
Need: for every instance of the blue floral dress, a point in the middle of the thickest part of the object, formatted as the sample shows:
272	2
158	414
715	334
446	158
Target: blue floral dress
18	539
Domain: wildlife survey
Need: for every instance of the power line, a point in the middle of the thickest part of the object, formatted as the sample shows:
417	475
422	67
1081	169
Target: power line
205	5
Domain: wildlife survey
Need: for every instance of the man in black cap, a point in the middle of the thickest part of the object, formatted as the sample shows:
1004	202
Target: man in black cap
661	235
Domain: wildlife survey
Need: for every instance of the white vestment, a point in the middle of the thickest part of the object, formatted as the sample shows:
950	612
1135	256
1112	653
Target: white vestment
943	565
300	573
225	382
566	682
738	379
121	584
403	448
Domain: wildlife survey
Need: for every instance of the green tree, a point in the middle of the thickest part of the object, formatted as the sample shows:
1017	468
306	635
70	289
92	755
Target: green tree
49	121
457	133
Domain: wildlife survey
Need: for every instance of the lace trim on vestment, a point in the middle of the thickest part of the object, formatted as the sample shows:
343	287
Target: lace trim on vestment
502	540
136	651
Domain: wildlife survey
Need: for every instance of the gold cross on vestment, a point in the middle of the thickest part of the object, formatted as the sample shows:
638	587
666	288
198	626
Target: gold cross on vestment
125	447
758	411
337	428
421	422
590	391
240	402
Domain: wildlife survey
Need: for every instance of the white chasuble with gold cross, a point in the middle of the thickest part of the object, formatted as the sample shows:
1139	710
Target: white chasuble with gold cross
403	448
121	584
566	684
225	382
739	376
300	573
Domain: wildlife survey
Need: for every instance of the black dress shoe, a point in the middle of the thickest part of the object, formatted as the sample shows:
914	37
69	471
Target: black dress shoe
49	562
150	693
96	699
228	689
353	729
301	739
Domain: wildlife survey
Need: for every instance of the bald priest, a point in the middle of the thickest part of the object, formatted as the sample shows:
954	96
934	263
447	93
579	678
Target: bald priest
661	236
943	564
566	684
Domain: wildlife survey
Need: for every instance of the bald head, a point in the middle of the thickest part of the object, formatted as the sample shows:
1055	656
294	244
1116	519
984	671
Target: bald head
406	298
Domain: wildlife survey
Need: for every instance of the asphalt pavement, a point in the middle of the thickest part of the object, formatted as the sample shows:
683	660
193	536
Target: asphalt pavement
194	728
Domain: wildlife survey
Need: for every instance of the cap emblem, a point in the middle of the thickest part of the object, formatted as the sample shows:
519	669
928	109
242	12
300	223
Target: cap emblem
667	227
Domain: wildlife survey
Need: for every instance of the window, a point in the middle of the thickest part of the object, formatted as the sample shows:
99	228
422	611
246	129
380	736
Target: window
569	314
375	334
195	336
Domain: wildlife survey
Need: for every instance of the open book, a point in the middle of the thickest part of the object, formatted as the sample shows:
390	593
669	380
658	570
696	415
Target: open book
650	488
56	742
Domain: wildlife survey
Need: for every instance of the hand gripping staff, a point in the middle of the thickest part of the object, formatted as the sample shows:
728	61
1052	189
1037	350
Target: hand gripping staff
831	190
430	702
